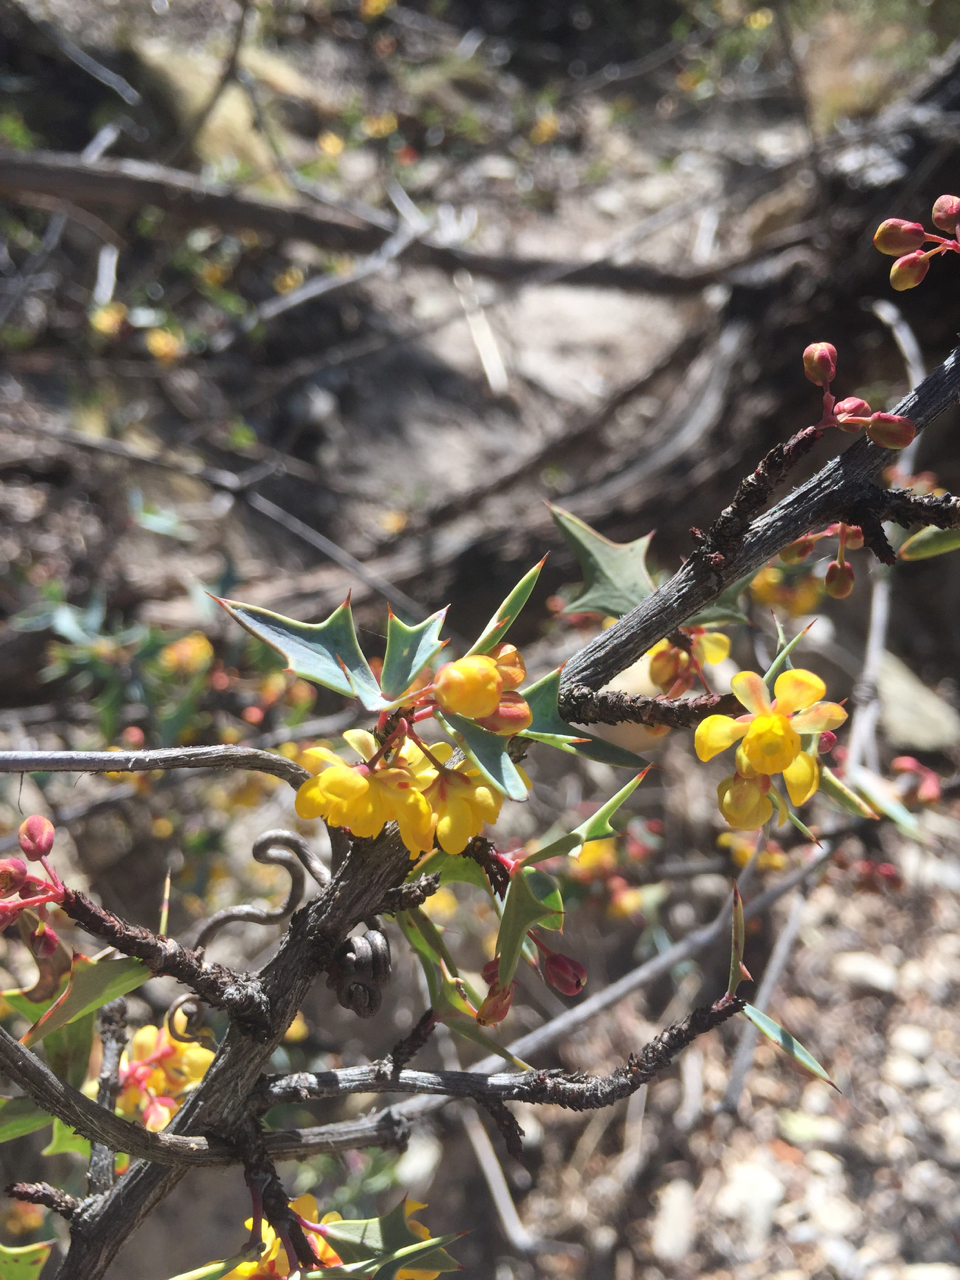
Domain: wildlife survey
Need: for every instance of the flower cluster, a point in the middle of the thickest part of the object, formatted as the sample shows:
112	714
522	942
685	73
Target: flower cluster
770	743
888	430
401	779
798	593
158	1070
675	662
20	888
905	240
839	578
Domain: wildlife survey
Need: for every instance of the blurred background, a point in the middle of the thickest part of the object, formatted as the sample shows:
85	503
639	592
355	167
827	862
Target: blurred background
353	292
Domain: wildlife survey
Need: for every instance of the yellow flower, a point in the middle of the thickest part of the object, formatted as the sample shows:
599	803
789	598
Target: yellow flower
272	1263
546	128
292	278
669	664
330	143
188	656
469	687
744	802
380	126
462	806
772	857
165	345
108	319
157	1071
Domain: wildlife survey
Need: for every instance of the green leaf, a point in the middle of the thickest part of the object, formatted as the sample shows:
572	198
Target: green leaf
502	620
782	658
929	542
409	650
880	796
801	827
26	1262
356	1239
453	869
615	574
428	1255
549	727
326	652
532	898
92	984
597	826
19	1116
737	934
787	1043
723	610
216	1270
66	1141
68	1049
841	794
569	843
488	751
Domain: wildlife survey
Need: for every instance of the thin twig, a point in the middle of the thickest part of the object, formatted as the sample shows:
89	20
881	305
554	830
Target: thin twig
184	143
218	757
112	1025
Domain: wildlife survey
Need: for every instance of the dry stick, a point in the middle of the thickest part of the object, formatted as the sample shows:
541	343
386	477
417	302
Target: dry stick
112	1025
219	757
183	145
841	489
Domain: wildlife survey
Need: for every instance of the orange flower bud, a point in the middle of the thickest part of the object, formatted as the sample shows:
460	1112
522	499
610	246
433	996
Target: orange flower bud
895	236
513	715
510	664
839	580
496	1006
469	687
890	430
798	550
908	271
13	873
946	213
820	362
36	837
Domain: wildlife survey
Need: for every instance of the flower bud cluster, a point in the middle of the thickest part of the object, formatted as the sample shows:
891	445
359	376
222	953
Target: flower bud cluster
839	578
905	240
20	888
888	430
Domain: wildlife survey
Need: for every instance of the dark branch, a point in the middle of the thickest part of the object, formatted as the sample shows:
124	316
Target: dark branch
42	1193
112	1025
508	1125
413	894
224	757
582	706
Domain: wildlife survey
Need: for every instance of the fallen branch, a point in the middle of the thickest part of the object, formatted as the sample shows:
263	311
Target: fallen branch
220	757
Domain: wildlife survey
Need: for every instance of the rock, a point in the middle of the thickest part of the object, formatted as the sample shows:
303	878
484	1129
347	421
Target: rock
903	1071
751	1194
913	1040
673	1227
832	1213
911	714
929	1271
947	1125
865	970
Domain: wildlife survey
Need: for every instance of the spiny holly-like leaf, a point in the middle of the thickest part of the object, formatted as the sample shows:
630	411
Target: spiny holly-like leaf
19	1116
930	542
841	794
502	620
802	827
615	574
453	870
216	1270
737	934
533	898
424	1258
92	984
782	658
66	1141
326	652
548	726
597	826
787	1043
488	751
358	1239
26	1262
409	650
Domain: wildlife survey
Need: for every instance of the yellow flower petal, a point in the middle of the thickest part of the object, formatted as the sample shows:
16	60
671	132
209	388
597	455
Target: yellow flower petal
712	647
771	743
715	734
743	804
802	778
362	741
744	767
316	759
751	692
797	690
819	718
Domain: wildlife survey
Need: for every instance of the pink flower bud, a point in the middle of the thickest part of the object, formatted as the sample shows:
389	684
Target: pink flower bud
820	362
36	837
946	213
895	236
908	271
854	537
490	970
133	737
848	411
512	715
8	914
33	885
567	975
43	941
890	430
13	873
798	550
839	580
828	740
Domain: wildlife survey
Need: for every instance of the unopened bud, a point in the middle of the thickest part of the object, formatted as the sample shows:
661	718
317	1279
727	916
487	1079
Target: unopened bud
469	687
510	664
888	873
839	580
496	1006
490	970
43	941
828	740
820	362
567	975
13	873
133	737
848	411
896	236
908	271
8	914
36	836
854	538
890	430
946	213
513	715
798	550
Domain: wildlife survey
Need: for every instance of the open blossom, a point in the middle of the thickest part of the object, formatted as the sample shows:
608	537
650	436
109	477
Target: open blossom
670	664
462	803
157	1072
272	1263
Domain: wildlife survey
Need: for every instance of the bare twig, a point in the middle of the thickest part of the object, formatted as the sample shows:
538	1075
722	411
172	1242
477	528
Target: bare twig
112	1024
221	757
42	1193
184	143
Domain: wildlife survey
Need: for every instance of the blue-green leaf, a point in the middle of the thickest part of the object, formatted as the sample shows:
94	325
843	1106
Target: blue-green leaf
488	751
326	652
615	574
19	1116
929	542
881	797
533	898
737	934
841	794
542	700
25	1262
409	650
502	620
787	1043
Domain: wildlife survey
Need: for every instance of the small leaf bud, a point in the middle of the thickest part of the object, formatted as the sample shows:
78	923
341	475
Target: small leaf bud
847	411
43	941
36	836
513	715
13	874
798	550
896	236
946	213
890	430
839	580
908	271
496	1006
490	970
820	362
567	975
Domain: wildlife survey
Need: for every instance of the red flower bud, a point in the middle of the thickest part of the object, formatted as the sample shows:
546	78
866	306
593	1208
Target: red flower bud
490	970
908	271
133	737
839	580
854	537
36	837
820	362
496	1006
896	236
13	873
567	975
946	213
888	872
848	411
890	430
513	715
828	740
43	941
798	550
